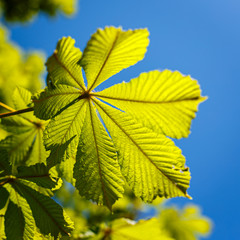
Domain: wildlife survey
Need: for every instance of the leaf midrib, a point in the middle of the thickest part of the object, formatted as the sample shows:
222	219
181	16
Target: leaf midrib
66	69
105	61
98	157
41	205
145	101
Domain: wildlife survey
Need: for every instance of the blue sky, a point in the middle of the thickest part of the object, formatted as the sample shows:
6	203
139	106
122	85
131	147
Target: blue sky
200	38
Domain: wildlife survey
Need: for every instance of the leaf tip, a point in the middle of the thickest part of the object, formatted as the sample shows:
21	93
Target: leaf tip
188	196
203	99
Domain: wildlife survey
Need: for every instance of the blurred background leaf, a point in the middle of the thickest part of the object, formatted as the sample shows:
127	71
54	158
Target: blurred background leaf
25	10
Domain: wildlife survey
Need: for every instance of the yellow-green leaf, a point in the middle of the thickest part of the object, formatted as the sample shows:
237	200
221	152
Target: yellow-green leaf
63	65
61	136
110	50
19	222
163	101
97	172
52	101
187	224
125	229
151	163
24	144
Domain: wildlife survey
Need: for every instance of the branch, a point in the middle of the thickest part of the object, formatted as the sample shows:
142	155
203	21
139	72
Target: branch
3	115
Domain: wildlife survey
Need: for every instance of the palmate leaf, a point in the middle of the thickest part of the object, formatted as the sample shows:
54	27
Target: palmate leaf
29	208
24	144
151	107
163	101
36	176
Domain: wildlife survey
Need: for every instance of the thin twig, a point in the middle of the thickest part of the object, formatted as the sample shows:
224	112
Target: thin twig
3	115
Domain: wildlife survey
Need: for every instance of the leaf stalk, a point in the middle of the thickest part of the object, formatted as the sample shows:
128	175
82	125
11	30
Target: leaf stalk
9	114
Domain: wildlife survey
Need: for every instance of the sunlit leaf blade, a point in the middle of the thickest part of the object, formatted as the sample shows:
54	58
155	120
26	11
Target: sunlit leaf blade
24	144
18	146
52	101
63	65
65	169
64	129
49	217
16	124
151	163
188	224
110	50
19	222
19	123
123	229
163	101
38	174
38	152
96	171
21	99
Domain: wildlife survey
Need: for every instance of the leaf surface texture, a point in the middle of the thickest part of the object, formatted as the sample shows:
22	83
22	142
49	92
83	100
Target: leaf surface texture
151	163
97	173
110	50
163	101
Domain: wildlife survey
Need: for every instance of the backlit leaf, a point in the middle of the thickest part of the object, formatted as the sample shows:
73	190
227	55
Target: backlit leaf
63	65
187	224
151	163
28	209
24	143
129	126
123	229
67	131
50	218
163	101
50	102
110	50
97	172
